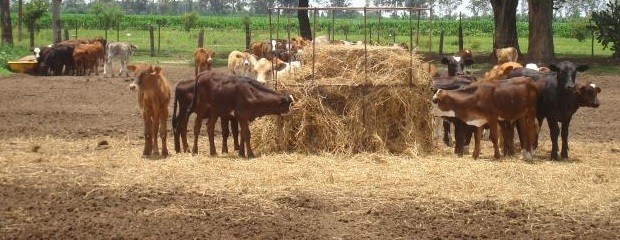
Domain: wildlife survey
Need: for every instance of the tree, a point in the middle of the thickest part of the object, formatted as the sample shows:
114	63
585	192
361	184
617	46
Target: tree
540	41
33	11
505	18
608	24
304	21
108	14
479	7
5	18
56	20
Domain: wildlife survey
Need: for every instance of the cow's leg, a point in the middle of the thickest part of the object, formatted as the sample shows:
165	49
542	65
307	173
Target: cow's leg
234	126
197	125
225	133
564	152
446	133
507	137
182	128
107	65
460	129
244	124
553	132
477	138
163	130
494	133
123	70
156	118
148	135
211	133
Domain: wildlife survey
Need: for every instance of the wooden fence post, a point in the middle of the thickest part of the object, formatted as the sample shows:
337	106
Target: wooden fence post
201	38
152	39
118	30
441	42
248	33
66	34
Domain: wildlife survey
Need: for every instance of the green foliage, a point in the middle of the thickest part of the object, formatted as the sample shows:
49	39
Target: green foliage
10	53
33	11
107	14
190	20
580	29
608	23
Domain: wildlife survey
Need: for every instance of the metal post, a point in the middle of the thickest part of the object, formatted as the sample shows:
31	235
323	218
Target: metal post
365	46
417	34
379	29
313	43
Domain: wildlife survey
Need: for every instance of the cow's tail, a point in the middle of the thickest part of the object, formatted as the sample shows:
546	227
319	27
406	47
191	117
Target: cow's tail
192	105
175	119
175	124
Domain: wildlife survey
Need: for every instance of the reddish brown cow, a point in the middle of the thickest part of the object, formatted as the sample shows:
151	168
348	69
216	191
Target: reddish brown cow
203	60
246	98
153	97
500	71
488	102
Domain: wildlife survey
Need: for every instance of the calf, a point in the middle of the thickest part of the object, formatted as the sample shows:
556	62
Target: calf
488	102
183	95
153	98
557	101
56	59
120	51
241	64
500	71
203	60
265	69
508	54
456	64
246	98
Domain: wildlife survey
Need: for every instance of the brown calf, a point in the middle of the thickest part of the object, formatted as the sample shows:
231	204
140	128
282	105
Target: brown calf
509	54
153	97
203	60
488	102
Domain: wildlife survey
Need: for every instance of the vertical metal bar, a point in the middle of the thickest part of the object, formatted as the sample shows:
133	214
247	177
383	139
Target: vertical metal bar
365	46
430	34
379	28
333	27
417	34
313	42
411	46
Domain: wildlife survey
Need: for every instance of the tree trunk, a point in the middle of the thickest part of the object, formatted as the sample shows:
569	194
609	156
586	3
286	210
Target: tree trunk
20	19
56	20
505	18
5	18
540	48
304	21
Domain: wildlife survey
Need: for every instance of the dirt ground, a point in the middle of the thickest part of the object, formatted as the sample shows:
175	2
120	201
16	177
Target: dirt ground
63	136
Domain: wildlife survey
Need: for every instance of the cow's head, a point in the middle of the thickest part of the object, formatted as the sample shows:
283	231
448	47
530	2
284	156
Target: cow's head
264	69
456	64
587	95
265	100
567	73
143	74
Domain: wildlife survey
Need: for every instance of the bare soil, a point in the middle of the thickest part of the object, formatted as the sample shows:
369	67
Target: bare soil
70	200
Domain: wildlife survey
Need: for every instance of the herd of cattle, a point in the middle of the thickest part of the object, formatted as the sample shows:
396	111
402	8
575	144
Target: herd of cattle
510	95
507	96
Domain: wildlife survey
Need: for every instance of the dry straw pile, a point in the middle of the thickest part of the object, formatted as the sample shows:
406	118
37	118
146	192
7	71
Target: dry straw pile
343	110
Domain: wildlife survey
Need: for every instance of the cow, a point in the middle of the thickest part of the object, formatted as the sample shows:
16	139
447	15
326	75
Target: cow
120	51
241	64
153	97
556	101
55	60
86	58
500	71
462	132
508	54
183	95
203	60
281	49
265	69
246	98
458	62
488	102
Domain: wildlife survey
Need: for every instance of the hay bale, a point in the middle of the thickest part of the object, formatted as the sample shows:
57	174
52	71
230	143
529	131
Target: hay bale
342	111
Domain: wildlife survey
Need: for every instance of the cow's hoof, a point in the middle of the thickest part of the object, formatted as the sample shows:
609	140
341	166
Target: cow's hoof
164	153
554	156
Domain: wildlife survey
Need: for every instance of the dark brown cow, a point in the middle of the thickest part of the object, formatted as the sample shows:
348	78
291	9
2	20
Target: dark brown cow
488	102
203	60
183	94
246	98
153	97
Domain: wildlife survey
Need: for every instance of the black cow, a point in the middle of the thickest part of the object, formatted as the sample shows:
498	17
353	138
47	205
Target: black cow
557	101
55	59
246	98
183	95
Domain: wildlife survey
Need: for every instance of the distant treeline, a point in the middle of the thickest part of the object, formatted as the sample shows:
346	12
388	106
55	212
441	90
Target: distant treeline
471	27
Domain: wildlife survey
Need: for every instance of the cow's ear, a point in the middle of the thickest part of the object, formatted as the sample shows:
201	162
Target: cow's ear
468	61
157	69
507	70
445	60
131	68
582	68
238	55
554	67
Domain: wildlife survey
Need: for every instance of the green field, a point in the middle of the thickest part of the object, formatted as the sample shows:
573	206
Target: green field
177	45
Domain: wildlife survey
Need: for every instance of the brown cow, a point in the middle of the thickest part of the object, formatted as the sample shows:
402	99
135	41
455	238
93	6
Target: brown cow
500	71
488	102
183	95
509	54
153	97
246	98
203	60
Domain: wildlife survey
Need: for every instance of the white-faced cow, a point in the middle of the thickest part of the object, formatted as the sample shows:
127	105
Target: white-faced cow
241	64
203	60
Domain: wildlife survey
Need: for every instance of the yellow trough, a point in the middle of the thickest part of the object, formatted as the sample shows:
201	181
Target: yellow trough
20	66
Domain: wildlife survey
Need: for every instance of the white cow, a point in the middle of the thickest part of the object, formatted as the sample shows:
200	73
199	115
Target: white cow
241	64
265	69
120	51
